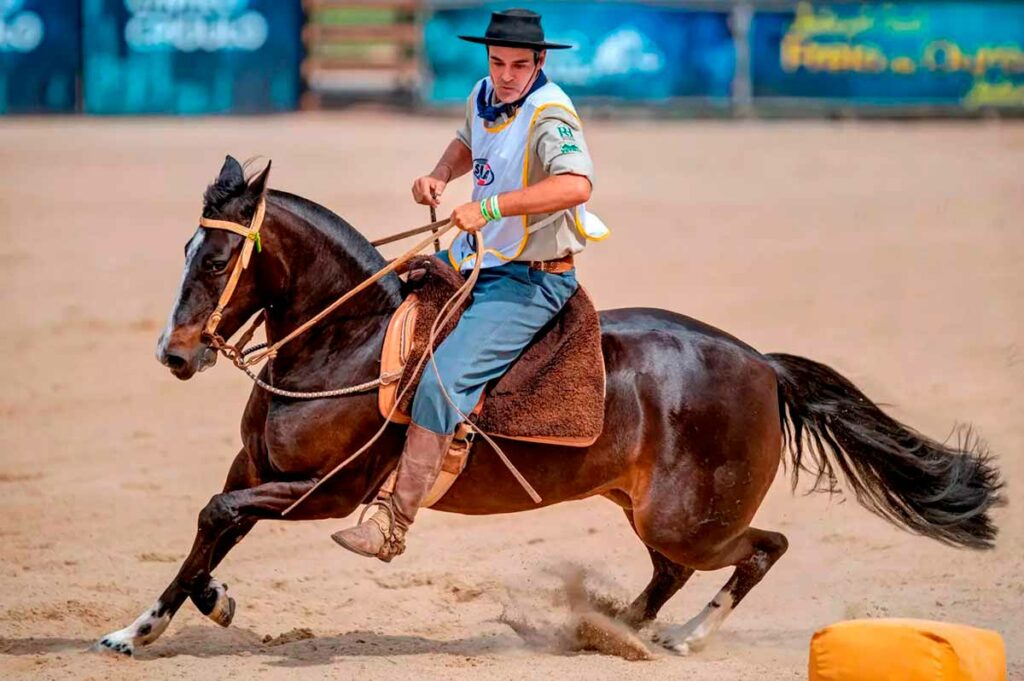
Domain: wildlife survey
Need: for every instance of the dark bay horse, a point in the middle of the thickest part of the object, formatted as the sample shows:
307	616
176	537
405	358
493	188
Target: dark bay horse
696	424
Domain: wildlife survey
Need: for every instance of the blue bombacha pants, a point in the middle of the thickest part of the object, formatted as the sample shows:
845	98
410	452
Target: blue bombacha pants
510	304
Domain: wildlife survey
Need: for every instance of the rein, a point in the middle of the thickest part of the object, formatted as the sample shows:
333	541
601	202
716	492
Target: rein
245	358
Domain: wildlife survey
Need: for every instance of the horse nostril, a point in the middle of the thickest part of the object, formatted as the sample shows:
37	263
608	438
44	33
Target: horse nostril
173	361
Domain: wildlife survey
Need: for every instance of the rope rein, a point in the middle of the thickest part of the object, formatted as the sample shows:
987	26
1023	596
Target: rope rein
446	313
384	379
245	358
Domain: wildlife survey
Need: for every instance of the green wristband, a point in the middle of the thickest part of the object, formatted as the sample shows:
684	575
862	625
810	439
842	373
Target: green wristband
484	212
495	211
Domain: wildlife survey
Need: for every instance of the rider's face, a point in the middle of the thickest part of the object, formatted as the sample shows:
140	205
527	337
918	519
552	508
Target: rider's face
512	71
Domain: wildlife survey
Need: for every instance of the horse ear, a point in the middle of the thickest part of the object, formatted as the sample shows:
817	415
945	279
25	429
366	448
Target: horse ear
258	184
231	173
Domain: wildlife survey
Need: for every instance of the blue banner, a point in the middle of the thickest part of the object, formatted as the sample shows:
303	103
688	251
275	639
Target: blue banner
624	51
39	55
968	54
191	56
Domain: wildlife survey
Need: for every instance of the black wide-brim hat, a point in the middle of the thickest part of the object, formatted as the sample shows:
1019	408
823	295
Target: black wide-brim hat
515	28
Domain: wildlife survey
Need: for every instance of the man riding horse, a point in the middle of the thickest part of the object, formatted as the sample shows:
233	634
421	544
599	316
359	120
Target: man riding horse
695	422
532	176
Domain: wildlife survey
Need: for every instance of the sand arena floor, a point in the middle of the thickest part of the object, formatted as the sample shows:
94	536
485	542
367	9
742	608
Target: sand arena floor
889	251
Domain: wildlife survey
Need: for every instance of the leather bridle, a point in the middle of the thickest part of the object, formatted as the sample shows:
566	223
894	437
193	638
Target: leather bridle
243	358
237	353
252	241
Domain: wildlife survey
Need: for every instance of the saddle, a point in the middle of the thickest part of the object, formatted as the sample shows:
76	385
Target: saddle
553	394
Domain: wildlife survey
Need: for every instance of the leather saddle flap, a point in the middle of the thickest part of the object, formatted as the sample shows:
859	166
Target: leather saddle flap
553	394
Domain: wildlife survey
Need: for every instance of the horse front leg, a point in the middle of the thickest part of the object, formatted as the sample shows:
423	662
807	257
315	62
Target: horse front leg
223	522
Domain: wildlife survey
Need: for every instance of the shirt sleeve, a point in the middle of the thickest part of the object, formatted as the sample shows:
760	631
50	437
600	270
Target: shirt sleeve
561	146
463	133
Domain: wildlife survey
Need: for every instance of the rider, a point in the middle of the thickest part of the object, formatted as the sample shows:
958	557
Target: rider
532	174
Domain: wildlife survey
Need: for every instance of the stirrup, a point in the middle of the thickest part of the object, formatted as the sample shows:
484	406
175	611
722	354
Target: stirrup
394	542
387	505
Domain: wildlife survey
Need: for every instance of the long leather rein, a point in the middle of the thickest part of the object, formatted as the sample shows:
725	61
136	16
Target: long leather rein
244	358
237	353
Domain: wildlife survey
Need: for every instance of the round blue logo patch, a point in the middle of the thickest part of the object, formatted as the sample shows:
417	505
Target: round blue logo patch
482	172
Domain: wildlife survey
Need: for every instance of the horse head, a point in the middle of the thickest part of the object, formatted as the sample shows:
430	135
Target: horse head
210	257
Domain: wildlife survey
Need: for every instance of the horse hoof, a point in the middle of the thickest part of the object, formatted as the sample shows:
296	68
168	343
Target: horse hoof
681	649
215	603
223	611
682	644
111	646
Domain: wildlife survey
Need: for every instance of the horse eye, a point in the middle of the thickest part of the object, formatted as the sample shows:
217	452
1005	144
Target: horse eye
217	266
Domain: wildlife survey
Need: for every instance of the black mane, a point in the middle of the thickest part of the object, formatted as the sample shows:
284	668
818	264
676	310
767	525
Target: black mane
231	199
334	226
348	241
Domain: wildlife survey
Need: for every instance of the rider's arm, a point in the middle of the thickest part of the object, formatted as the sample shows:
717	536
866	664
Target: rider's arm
551	194
561	171
456	161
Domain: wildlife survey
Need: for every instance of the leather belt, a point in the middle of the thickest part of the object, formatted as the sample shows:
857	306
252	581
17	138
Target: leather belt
556	266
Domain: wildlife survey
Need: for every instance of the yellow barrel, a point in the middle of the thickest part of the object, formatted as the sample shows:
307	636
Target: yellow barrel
906	650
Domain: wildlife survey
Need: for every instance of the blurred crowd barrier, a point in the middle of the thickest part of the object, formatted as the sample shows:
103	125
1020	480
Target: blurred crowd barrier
626	51
915	55
788	57
730	57
149	56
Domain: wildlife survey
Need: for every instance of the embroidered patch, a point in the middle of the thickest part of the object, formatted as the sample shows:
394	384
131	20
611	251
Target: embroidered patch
482	173
565	132
570	148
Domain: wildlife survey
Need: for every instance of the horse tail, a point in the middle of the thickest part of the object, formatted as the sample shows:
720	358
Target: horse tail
942	491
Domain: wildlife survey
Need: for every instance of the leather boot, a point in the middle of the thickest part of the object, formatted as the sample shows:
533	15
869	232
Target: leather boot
383	534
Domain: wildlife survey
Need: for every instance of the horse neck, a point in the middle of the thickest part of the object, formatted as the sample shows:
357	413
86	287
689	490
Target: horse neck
310	266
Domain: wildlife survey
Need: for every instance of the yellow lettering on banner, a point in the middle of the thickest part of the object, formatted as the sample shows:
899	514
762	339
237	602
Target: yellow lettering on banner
904	25
943	55
994	94
820	41
831	57
903	65
1009	58
810	21
789	54
948	57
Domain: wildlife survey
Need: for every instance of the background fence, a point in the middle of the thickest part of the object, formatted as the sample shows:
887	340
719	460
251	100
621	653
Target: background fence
243	56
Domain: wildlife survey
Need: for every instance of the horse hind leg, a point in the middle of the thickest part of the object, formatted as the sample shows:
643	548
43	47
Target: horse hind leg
667	580
753	553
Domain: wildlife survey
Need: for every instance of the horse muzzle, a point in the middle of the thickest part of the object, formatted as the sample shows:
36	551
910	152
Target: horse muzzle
183	362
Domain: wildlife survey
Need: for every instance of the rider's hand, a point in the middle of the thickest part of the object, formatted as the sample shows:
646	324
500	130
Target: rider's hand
468	217
427	190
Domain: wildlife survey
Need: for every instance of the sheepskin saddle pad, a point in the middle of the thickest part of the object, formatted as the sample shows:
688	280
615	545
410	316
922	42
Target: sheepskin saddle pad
553	394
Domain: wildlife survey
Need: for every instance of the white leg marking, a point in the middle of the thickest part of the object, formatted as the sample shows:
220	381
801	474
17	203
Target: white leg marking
694	635
143	631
